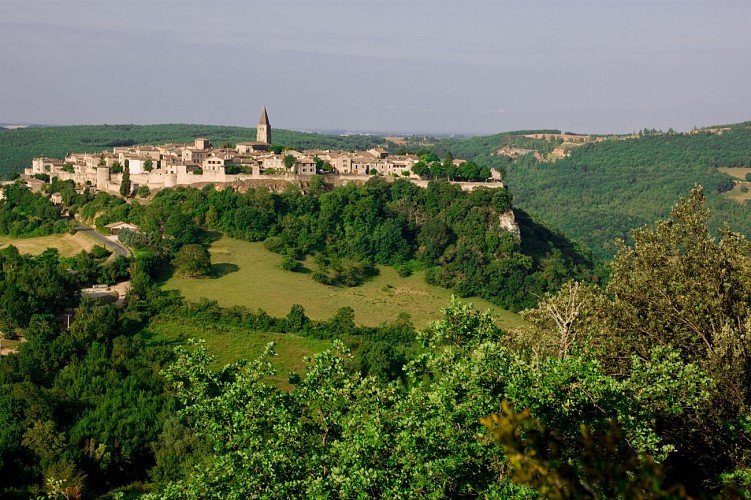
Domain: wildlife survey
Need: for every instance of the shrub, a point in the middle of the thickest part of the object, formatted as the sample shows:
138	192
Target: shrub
404	271
192	261
320	277
296	321
100	252
274	244
725	186
289	263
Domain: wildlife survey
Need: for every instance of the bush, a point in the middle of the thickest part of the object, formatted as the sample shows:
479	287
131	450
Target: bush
192	261
343	321
289	263
274	244
320	277
725	186
748	176
296	321
232	169
100	252
404	271
353	273
502	199
143	191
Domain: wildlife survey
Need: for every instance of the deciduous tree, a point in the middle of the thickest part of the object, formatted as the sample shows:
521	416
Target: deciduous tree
192	261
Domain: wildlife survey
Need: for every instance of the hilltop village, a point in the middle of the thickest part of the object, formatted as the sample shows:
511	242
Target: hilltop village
171	165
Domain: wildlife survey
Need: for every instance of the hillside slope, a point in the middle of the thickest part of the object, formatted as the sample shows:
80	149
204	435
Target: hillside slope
604	189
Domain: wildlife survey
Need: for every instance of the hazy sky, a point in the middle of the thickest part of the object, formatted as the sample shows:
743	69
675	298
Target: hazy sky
460	66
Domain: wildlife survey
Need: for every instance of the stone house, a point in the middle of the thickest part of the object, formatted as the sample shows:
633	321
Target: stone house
116	227
305	166
249	147
216	163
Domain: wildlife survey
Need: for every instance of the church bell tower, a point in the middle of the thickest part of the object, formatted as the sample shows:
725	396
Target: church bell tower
263	132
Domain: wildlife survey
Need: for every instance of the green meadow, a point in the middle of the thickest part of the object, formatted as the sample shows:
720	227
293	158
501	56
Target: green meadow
249	275
228	344
67	244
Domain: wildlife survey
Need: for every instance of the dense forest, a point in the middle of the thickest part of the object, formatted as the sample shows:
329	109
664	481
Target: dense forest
456	236
29	214
605	189
632	381
595	196
635	388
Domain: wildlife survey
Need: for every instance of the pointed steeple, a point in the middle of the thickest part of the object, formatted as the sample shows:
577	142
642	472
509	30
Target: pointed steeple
263	131
264	120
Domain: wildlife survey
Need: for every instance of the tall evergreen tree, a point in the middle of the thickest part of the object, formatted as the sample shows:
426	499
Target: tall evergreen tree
125	184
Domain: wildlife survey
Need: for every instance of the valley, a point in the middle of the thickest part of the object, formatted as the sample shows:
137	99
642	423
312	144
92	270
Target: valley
284	330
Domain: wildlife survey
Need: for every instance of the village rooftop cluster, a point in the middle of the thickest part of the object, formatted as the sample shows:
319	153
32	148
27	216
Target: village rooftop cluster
171	165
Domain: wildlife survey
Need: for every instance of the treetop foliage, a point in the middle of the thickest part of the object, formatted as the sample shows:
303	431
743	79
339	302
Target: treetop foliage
679	289
457	237
608	187
637	387
25	214
605	189
634	387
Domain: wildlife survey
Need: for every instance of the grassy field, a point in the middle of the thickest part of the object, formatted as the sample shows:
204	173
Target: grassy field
228	344
737	194
250	276
67	244
739	174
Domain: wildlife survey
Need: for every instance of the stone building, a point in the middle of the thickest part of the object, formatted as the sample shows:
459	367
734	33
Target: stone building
263	131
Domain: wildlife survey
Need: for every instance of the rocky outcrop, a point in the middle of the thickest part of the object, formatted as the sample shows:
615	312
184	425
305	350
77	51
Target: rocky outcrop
507	221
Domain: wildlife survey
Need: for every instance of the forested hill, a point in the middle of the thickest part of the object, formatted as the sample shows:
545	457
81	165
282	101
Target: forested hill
19	146
605	189
599	193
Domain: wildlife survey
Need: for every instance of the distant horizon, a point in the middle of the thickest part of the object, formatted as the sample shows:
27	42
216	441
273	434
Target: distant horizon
474	67
378	133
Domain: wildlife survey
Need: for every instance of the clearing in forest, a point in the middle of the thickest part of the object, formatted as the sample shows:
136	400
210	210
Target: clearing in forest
250	276
741	192
228	344
67	244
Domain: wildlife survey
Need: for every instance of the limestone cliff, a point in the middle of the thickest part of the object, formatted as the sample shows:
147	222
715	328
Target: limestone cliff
507	221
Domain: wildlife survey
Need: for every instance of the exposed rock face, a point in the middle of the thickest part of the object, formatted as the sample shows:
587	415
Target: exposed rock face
272	185
507	221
